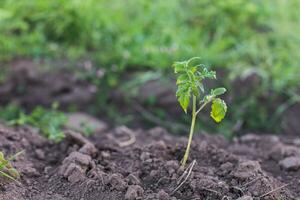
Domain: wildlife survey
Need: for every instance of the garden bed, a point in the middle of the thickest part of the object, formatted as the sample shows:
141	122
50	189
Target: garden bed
136	164
122	163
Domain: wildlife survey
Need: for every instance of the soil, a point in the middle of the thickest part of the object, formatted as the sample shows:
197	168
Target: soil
104	166
117	163
29	84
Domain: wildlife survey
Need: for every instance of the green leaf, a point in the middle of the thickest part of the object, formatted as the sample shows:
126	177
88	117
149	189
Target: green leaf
179	66
183	95
184	101
208	74
218	91
191	74
193	62
183	78
218	110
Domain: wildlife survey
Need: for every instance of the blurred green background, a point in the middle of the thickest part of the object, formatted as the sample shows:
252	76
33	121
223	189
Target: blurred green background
242	39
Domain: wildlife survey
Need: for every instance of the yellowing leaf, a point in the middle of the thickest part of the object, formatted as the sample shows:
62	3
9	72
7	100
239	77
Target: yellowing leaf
218	110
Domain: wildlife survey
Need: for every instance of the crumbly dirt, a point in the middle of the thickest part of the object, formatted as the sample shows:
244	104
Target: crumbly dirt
120	163
107	166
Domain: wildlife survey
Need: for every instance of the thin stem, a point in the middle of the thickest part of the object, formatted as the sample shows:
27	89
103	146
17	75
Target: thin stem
187	151
201	107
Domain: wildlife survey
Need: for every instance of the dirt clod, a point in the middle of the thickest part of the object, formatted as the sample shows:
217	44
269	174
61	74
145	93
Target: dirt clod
117	182
247	169
40	154
172	166
134	192
76	169
74	173
162	195
75	166
290	163
133	179
245	198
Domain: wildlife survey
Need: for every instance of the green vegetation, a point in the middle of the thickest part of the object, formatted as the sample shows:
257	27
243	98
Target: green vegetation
49	121
190	79
244	38
6	169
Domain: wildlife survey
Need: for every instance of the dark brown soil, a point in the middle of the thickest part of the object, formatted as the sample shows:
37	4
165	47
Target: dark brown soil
149	168
29	84
121	163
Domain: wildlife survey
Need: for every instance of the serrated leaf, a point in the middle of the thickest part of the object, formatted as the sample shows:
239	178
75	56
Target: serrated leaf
218	109
195	90
189	81
182	79
184	101
193	62
208	74
218	91
179	67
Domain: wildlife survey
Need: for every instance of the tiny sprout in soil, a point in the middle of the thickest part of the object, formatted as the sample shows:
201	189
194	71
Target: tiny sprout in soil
190	87
6	169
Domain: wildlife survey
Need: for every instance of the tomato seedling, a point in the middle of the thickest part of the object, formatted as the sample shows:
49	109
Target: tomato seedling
190	87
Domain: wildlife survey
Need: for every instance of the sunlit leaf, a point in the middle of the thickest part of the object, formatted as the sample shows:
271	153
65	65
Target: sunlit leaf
218	109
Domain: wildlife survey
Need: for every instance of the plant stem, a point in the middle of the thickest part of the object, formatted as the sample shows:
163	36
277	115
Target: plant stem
201	107
187	151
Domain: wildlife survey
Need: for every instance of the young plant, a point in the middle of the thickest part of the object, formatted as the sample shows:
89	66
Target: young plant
6	169
190	88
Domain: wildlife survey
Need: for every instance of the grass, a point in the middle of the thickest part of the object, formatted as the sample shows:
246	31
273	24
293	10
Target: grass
6	169
49	121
